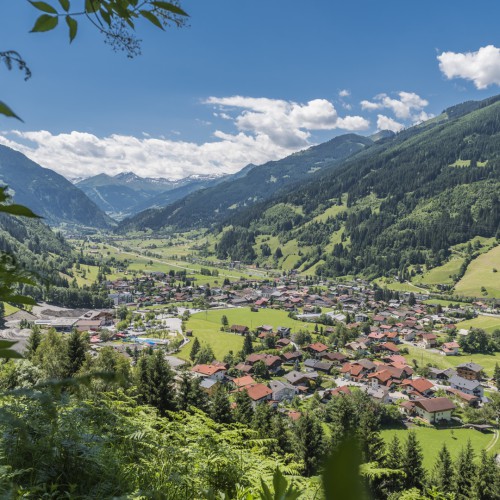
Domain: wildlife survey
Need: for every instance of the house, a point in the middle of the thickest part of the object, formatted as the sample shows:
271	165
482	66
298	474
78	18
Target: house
214	371
245	381
291	357
282	391
336	358
320	366
389	346
419	387
316	349
434	410
450	349
472	387
427	340
241	329
467	399
209	385
298	378
470	371
258	393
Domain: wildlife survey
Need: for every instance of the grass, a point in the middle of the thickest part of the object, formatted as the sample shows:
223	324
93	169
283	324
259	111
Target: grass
90	274
480	273
399	287
445	303
424	357
432	440
206	326
441	274
9	309
487	323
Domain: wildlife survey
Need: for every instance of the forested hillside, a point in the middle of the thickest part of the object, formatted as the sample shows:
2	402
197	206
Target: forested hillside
215	204
48	259
400	204
47	193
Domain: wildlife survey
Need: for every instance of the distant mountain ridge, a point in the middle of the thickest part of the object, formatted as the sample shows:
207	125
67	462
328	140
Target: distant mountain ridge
249	186
127	193
47	193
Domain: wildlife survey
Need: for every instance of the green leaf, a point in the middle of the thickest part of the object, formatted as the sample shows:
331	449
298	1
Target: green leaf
5	110
64	4
151	17
19	299
73	27
106	16
9	354
92	6
45	23
170	7
44	7
18	210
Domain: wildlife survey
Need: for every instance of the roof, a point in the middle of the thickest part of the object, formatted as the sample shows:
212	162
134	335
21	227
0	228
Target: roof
258	391
419	384
471	366
244	381
434	405
464	383
207	370
318	347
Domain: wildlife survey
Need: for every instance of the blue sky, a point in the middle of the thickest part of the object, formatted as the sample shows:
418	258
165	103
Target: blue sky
246	82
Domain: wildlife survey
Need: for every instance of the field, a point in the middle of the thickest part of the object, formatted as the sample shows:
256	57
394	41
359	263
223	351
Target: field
398	287
206	326
446	303
440	274
487	323
480	274
424	357
432	440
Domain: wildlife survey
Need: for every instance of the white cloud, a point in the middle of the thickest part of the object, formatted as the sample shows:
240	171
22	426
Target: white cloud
266	129
481	67
403	108
286	123
344	93
387	123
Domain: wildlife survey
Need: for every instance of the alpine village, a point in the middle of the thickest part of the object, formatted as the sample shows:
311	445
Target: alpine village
324	325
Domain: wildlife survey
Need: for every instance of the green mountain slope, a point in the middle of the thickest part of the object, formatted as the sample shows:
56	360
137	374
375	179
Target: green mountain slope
406	201
47	193
214	204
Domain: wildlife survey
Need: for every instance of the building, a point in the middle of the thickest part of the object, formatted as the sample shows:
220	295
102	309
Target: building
472	387
470	371
434	410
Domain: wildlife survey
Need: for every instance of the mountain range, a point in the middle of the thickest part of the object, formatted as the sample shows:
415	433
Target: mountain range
127	194
47	193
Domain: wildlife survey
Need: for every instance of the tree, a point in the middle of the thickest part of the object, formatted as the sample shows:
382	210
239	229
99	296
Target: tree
412	463
220	407
260	369
51	355
310	443
244	409
465	473
33	342
195	348
189	393
77	347
205	355
247	345
393	461
412	300
487	481
155	382
442	474
496	375
224	321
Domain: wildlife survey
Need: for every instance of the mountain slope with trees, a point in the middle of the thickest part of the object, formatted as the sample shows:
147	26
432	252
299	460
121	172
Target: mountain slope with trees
216	203
407	199
47	193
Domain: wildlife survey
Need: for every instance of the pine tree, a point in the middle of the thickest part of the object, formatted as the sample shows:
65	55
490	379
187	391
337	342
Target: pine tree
220	407
155	382
487	483
393	460
205	355
370	441
496	375
190	393
280	431
465	473
442	475
224	321
247	345
195	348
262	420
310	443
77	347
412	463
33	342
244	408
